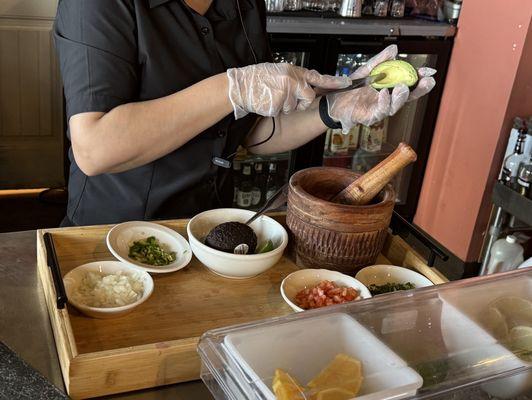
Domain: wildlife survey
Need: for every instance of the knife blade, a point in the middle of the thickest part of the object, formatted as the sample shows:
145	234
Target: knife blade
355	84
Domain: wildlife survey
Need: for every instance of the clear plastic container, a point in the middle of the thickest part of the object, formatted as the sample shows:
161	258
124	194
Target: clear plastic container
414	344
506	254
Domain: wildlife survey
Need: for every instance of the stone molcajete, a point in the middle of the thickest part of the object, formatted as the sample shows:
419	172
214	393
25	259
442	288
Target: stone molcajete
338	218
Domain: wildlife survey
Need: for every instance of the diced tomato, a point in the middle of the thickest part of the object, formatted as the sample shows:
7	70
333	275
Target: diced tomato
324	294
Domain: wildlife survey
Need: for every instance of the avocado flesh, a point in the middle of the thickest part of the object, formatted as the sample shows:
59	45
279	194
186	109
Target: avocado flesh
397	72
225	237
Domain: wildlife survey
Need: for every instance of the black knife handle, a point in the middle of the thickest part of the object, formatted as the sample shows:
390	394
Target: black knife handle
53	264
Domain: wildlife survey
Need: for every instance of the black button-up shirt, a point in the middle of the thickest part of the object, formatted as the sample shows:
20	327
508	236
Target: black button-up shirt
113	52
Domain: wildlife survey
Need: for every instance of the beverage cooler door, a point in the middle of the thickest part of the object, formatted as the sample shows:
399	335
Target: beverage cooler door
364	146
256	177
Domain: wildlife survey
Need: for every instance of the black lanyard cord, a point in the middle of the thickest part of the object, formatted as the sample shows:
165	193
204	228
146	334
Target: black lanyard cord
267	139
226	163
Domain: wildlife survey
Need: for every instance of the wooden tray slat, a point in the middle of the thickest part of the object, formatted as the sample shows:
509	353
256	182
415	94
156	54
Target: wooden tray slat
156	343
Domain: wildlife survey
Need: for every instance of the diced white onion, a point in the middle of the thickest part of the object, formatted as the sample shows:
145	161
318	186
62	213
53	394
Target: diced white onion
108	290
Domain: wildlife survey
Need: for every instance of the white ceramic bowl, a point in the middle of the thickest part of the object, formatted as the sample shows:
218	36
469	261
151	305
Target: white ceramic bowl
73	278
381	274
122	236
237	266
304	278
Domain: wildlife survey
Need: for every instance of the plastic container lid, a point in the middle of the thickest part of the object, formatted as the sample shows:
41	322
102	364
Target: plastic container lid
412	344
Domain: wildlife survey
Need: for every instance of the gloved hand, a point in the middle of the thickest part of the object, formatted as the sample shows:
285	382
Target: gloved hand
367	105
270	88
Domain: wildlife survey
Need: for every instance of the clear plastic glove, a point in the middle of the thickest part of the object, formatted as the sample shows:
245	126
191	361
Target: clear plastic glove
271	88
367	105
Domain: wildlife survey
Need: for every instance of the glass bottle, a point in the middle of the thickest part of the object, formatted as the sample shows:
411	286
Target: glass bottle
354	134
367	7
274	5
380	8
259	186
293	5
524	177
397	9
513	161
372	137
271	183
339	142
245	194
236	180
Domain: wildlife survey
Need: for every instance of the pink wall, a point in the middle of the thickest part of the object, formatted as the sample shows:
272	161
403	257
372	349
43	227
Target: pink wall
488	83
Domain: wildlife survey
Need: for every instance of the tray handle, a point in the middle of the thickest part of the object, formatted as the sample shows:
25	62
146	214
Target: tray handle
435	250
61	297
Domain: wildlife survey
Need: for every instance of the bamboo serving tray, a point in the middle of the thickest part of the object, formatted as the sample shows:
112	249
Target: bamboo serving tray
156	343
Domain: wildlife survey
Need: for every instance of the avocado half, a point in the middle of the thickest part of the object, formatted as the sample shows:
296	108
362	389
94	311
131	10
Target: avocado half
225	237
397	72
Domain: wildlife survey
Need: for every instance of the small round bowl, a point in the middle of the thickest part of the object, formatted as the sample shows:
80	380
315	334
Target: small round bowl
121	236
304	278
381	274
236	266
73	278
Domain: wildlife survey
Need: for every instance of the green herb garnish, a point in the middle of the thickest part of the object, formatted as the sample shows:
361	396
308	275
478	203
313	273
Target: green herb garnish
149	251
265	247
389	287
433	372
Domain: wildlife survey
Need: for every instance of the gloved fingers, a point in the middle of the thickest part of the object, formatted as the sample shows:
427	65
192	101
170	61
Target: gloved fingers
339	107
424	86
373	108
318	80
383	107
346	121
389	53
426	72
305	97
347	125
400	95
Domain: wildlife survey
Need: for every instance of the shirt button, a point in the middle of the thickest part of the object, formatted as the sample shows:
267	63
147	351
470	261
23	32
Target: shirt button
221	133
210	181
204	30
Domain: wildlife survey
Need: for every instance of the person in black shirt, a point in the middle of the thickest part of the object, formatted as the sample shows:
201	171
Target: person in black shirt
157	89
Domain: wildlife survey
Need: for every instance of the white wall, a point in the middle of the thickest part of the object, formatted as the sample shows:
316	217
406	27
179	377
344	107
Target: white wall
31	100
28	8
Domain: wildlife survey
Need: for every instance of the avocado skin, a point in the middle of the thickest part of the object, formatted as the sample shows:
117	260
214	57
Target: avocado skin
225	237
408	74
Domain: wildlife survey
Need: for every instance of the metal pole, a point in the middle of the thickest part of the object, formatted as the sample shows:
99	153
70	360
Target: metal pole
494	232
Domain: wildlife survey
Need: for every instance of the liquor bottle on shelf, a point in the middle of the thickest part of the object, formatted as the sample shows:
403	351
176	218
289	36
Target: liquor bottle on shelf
344	65
513	161
367	7
272	182
245	192
339	142
236	179
354	133
397	9
451	10
259	186
293	5
524	177
380	8
372	137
